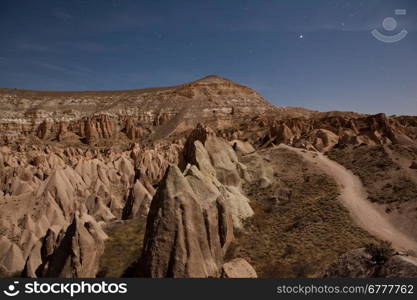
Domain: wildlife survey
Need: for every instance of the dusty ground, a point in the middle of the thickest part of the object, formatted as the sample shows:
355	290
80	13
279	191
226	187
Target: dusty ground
354	198
299	226
388	180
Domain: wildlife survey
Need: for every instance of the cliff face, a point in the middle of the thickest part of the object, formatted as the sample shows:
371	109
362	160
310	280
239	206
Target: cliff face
91	115
193	214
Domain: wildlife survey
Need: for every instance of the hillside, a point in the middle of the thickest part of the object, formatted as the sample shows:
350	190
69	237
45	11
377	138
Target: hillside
204	179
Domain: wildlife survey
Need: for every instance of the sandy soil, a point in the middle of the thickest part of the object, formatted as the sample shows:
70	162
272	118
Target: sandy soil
354	198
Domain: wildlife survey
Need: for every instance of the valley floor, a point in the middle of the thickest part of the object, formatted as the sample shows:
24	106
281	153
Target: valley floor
354	198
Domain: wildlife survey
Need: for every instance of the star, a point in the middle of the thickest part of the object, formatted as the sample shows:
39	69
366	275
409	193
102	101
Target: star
301	36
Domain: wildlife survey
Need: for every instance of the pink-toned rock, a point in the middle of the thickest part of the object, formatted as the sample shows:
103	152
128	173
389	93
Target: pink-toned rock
238	268
182	234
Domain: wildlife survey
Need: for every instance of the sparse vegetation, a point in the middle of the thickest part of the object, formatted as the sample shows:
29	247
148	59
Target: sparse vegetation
123	247
299	234
384	180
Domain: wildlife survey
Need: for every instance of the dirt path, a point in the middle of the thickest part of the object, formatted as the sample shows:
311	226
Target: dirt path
354	198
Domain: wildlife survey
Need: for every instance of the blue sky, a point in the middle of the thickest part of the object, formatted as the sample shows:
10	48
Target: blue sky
318	54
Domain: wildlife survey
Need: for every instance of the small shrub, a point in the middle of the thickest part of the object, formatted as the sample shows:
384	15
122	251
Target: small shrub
380	253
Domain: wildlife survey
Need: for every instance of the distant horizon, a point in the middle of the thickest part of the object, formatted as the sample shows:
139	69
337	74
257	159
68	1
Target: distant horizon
319	55
156	87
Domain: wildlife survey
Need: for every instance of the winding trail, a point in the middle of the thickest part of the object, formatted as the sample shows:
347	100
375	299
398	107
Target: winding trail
354	198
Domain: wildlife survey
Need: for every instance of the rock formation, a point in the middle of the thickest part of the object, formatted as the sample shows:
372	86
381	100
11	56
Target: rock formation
322	133
186	236
71	253
238	268
217	159
190	223
44	188
75	164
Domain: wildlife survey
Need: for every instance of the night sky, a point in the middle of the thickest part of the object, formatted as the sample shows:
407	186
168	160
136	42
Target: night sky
316	54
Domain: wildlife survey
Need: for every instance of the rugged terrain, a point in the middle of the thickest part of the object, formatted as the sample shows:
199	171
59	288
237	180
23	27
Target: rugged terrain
205	179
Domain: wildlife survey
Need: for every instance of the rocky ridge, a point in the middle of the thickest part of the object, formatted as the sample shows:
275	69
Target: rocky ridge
48	192
73	163
191	220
